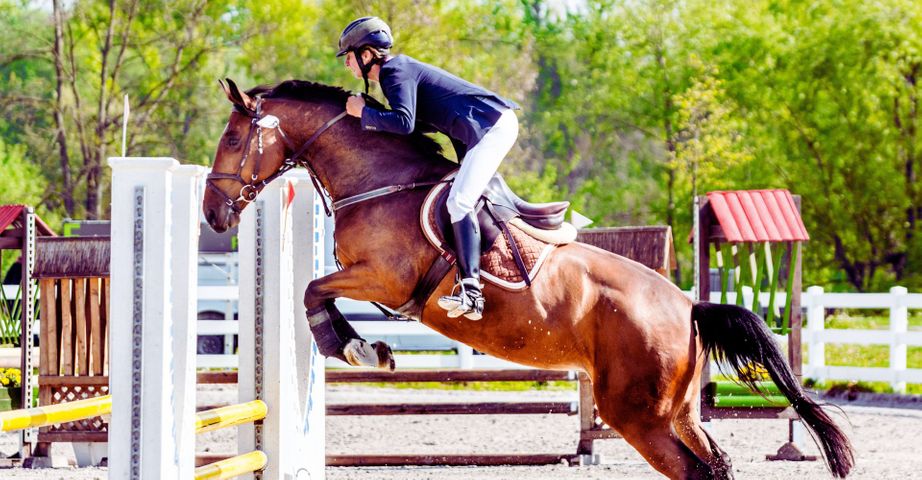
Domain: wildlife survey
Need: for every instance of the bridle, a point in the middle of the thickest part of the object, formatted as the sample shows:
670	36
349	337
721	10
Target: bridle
250	189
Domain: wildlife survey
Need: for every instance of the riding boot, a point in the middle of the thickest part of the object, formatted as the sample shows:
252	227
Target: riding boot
469	299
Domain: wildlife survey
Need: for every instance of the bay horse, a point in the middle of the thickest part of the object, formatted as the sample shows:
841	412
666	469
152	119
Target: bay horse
641	341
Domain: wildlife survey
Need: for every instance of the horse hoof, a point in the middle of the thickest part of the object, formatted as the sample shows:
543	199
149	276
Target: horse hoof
360	354
385	356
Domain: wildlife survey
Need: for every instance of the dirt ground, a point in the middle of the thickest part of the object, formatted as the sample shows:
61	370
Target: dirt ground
885	440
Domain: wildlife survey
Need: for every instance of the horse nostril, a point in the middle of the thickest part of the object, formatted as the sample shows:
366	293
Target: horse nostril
210	216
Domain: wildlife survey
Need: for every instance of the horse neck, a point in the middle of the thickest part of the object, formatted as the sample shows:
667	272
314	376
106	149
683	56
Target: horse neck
349	161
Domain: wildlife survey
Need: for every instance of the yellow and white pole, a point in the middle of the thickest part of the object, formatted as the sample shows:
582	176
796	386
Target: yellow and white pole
55	414
230	416
232	467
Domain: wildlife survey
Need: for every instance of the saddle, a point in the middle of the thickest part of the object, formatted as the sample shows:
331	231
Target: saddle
516	238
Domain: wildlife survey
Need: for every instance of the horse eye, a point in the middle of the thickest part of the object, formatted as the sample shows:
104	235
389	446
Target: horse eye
233	141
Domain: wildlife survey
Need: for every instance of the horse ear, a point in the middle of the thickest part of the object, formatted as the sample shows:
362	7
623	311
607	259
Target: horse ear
236	96
226	89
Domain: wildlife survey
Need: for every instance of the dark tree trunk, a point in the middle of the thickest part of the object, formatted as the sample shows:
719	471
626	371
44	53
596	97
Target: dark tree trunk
66	192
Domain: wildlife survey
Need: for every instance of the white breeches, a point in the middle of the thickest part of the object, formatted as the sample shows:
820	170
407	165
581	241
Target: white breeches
479	165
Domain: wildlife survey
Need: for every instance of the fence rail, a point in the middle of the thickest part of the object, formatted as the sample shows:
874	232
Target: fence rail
898	337
816	303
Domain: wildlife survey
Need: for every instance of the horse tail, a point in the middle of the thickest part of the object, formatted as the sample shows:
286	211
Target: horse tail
738	337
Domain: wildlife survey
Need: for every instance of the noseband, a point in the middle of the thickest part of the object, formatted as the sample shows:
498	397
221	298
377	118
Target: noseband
250	189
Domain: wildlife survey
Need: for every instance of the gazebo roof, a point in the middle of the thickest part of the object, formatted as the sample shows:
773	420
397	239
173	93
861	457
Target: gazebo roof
758	216
11	213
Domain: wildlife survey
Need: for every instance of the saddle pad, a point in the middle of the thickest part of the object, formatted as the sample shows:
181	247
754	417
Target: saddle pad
497	265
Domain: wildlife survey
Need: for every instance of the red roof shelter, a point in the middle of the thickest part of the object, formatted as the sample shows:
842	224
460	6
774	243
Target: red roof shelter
19	228
754	238
758	216
12	221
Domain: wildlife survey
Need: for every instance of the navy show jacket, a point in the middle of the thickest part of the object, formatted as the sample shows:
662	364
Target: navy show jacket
419	92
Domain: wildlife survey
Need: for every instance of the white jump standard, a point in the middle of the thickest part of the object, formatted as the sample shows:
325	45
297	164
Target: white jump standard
155	204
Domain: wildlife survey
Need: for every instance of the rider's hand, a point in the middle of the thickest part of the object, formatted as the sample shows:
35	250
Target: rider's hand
354	105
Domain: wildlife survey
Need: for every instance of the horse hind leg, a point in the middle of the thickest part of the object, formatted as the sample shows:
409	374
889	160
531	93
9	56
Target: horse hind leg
651	434
689	429
662	448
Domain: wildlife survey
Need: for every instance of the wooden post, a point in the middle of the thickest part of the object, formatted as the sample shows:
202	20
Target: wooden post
703	284
184	271
279	362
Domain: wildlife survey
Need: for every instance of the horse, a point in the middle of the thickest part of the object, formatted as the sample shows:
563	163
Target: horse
641	341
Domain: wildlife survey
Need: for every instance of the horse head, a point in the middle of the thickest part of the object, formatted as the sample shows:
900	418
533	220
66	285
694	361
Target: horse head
246	155
254	148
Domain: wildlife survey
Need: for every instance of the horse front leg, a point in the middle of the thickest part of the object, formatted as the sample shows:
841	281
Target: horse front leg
333	334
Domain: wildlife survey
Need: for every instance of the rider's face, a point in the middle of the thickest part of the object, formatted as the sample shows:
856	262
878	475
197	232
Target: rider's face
353	66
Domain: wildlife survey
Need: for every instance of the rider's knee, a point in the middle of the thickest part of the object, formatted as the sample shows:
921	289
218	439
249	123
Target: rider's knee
458	206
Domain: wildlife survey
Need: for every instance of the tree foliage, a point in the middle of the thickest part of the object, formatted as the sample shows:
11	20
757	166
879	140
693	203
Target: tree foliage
629	107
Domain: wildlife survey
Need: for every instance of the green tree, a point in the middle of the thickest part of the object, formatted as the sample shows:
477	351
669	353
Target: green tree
21	182
831	95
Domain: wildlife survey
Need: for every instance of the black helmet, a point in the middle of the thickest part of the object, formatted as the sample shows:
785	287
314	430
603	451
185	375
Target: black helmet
366	32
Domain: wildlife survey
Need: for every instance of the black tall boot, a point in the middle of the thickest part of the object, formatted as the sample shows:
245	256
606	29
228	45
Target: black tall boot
466	299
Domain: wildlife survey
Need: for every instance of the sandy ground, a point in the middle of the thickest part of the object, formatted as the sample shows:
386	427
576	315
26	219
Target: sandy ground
885	440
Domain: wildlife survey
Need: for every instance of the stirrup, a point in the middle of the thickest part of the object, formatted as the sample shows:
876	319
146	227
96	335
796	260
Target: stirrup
469	303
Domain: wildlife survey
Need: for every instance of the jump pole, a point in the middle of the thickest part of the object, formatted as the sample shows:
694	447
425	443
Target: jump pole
205	421
154	203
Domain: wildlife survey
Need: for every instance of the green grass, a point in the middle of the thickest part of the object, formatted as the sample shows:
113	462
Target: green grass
846	319
872	387
836	355
562	386
851	355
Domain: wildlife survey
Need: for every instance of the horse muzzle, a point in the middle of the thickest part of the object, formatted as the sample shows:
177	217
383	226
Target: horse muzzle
220	217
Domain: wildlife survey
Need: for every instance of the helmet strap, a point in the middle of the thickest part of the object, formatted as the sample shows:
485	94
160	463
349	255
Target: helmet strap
364	67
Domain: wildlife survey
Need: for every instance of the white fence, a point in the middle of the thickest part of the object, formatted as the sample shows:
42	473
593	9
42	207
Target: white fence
816	336
898	337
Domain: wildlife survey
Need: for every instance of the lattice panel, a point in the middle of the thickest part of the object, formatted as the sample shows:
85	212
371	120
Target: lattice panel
69	393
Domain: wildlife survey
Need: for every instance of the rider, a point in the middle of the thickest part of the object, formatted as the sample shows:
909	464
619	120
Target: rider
482	127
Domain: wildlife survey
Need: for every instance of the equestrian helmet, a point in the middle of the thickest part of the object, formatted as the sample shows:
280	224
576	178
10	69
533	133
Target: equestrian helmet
366	32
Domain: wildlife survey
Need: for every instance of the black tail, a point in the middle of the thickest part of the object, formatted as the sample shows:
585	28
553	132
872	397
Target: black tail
737	337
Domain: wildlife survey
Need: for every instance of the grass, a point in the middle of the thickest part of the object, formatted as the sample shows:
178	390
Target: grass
836	355
871	387
553	386
845	319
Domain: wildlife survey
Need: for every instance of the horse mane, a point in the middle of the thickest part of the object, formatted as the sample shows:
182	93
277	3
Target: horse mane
311	92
